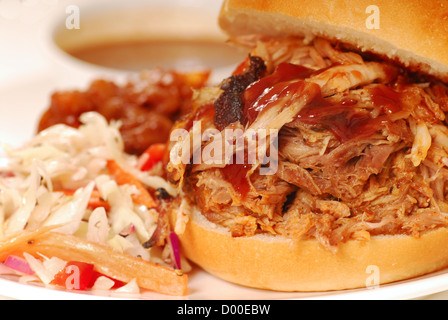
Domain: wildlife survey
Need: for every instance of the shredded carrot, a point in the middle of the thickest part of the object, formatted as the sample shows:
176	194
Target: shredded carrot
122	177
95	200
107	261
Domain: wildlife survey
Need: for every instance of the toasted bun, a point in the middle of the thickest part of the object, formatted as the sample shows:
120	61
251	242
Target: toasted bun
276	263
412	33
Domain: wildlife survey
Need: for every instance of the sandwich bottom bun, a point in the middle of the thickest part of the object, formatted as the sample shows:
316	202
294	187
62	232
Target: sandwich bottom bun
280	264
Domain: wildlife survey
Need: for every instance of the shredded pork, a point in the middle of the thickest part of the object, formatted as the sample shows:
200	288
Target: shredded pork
363	150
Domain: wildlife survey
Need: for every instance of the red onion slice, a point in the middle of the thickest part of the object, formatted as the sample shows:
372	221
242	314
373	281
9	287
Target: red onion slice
176	250
18	264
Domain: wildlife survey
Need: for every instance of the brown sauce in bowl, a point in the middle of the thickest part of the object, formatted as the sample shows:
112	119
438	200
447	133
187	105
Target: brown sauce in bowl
169	54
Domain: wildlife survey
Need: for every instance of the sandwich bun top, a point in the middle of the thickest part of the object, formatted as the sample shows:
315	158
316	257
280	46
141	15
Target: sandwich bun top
411	33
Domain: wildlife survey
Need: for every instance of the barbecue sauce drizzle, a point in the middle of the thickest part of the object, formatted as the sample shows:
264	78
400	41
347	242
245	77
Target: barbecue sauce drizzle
345	118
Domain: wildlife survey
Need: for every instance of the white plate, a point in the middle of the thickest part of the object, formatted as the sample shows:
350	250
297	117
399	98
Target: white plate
205	287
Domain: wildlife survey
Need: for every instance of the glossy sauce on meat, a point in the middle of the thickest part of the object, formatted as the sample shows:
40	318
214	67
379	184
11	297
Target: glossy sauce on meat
341	119
229	106
387	99
270	88
236	174
345	119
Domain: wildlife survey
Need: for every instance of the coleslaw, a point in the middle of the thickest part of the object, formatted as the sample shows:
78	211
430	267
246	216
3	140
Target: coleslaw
76	211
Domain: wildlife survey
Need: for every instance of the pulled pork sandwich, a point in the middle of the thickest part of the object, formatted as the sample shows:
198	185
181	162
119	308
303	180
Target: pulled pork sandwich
362	142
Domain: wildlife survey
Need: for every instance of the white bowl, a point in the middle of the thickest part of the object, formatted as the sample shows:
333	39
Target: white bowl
192	24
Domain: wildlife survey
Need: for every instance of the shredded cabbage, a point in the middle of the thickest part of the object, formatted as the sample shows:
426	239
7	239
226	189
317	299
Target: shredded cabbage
50	181
70	214
98	227
28	201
